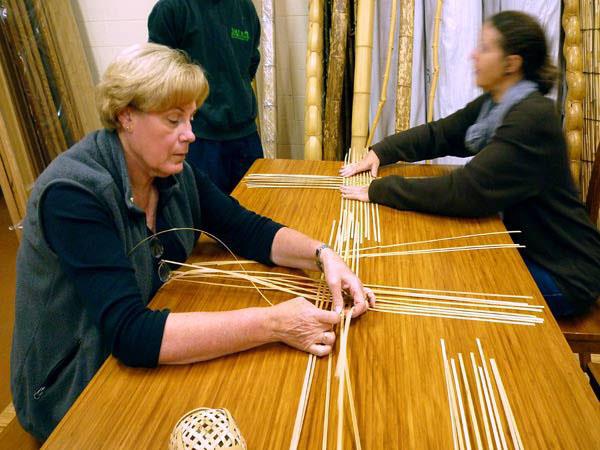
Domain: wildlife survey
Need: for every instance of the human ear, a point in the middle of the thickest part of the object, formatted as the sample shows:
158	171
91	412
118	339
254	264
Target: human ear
513	64
125	118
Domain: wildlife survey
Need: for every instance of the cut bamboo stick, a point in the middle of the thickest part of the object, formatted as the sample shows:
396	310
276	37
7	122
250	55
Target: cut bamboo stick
435	60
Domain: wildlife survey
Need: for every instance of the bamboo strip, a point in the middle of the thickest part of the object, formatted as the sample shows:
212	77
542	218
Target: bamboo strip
512	424
449	389
490	408
482	407
492	395
462	416
470	404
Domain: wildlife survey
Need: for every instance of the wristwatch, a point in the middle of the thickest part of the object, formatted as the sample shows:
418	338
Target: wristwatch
318	251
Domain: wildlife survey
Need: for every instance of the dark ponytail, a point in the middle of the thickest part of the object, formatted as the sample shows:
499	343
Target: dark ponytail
522	35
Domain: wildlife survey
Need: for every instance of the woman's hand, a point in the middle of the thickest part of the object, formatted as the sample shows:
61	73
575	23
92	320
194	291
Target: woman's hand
369	162
302	325
360	193
341	279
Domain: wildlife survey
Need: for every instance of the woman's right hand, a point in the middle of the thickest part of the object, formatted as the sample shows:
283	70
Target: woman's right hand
369	162
302	325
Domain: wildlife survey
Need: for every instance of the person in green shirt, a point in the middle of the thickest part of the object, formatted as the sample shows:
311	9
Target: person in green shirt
520	166
223	37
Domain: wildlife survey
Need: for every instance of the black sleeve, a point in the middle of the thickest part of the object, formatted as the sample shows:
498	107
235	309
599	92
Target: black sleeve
81	233
432	140
245	232
255	59
511	168
162	25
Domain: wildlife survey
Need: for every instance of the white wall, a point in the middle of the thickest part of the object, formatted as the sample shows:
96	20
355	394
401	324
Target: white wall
111	25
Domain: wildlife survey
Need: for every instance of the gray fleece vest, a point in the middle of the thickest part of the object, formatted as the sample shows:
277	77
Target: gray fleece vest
56	348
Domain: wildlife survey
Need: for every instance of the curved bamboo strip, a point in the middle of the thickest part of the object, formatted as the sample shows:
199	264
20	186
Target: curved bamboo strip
362	76
436	58
269	105
575	85
386	77
332	149
313	126
405	57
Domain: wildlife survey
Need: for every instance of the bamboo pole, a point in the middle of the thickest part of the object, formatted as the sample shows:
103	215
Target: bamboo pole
269	104
332	146
313	126
436	65
362	75
386	77
575	86
405	64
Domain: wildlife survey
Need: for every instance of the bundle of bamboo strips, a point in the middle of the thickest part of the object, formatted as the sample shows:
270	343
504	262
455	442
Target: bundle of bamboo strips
405	56
313	127
575	85
332	146
467	432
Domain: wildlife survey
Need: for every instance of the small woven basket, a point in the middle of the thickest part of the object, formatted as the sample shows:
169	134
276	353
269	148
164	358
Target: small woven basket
206	429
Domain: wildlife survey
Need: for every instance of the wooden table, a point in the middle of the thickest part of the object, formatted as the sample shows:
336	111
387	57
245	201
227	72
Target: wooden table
395	361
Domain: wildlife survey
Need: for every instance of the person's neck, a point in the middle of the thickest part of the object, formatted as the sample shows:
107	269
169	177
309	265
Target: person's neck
142	183
501	88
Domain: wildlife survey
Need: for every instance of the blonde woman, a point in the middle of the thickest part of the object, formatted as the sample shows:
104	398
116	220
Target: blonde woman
83	283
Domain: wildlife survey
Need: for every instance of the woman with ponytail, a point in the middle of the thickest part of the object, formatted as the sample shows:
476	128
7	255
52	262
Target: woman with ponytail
519	166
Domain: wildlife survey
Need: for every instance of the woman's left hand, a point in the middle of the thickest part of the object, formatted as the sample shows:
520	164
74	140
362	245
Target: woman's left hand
355	193
341	279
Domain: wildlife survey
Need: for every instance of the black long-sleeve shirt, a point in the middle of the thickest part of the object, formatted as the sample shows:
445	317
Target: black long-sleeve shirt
523	172
80	231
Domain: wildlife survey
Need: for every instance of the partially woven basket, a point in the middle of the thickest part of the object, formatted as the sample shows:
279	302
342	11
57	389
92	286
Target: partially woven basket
206	429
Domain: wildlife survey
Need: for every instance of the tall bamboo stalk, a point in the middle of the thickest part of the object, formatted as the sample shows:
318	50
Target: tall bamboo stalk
386	77
575	85
313	126
405	64
332	149
362	74
269	104
436	58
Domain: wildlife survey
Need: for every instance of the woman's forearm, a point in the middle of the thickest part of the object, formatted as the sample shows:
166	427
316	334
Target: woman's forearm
291	248
199	336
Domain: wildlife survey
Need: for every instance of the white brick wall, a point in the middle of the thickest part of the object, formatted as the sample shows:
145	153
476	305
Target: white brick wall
111	25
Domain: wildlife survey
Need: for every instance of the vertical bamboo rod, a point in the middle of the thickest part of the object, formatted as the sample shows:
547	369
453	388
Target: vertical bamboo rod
436	66
362	74
405	64
575	86
313	127
332	146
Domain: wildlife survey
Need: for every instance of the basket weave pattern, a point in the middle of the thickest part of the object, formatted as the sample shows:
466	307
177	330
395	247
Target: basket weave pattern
206	429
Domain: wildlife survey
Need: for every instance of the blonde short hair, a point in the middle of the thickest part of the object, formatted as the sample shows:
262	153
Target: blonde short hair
151	78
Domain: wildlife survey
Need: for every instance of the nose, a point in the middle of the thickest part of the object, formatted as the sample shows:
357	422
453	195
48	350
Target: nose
187	135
